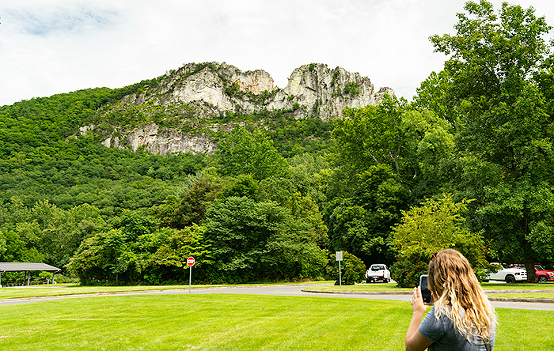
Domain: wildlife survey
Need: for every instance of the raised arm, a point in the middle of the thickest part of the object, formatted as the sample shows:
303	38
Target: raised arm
415	341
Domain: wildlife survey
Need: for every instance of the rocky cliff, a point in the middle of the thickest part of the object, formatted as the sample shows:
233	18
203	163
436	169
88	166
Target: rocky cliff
174	112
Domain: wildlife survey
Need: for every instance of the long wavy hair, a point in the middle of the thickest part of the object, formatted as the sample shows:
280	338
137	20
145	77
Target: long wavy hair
459	296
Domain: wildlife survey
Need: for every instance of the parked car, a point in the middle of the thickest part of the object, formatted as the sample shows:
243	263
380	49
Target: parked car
377	272
509	275
543	275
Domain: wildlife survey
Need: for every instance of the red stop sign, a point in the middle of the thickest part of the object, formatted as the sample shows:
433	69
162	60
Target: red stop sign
190	261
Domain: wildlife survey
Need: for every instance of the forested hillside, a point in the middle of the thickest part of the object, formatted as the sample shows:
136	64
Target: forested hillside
468	164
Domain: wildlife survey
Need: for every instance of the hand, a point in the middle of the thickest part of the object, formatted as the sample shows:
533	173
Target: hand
417	301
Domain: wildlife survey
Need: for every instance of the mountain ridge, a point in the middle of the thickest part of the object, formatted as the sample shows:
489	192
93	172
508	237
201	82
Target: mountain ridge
181	110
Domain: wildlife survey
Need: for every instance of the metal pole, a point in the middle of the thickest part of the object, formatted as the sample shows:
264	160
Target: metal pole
28	278
190	277
340	278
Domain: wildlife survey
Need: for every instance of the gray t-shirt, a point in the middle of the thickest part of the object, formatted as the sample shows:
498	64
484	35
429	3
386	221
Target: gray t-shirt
446	337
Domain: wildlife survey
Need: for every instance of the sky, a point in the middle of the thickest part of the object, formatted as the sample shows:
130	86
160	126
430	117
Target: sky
59	46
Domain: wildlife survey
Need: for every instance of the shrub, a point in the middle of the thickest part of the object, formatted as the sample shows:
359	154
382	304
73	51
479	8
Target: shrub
352	269
406	273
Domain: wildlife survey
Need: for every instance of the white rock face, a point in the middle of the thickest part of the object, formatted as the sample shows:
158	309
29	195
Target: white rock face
210	89
317	83
166	142
206	86
255	82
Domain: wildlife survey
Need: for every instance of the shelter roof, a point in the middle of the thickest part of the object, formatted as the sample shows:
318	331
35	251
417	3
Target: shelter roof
26	266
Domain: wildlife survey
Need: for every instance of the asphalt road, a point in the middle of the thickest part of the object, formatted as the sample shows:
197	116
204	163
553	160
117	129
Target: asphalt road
287	290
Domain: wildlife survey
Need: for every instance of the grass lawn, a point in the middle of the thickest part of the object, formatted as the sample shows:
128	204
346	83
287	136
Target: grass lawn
234	322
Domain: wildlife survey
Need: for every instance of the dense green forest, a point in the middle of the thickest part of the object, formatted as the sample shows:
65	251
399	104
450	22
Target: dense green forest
469	164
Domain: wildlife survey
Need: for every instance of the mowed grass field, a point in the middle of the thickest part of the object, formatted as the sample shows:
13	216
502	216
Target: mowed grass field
235	322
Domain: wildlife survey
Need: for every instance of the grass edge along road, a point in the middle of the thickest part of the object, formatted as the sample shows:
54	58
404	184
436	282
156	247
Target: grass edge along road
234	322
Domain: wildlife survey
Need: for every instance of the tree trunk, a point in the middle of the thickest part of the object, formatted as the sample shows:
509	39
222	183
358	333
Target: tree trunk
530	268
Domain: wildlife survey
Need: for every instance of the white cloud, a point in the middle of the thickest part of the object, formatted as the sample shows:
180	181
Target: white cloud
64	45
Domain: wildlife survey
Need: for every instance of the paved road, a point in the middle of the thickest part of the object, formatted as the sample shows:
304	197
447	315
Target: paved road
290	290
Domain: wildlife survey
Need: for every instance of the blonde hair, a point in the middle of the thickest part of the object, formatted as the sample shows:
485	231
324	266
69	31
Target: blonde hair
459	296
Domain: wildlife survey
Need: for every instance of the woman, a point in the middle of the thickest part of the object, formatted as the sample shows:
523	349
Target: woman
462	317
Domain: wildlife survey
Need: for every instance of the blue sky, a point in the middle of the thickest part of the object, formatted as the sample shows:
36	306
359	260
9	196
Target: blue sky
57	46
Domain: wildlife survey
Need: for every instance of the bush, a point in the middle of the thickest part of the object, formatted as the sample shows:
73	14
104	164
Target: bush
352	269
406	273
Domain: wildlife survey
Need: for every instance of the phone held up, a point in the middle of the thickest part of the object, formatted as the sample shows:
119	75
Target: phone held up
425	292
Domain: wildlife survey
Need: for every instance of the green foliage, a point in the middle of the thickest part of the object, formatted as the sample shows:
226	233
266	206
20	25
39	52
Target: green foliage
135	250
351	88
243	152
234	90
298	136
259	241
46	232
371	135
336	76
495	81
406	272
171	253
243	185
315	107
352	269
431	227
190	208
387	157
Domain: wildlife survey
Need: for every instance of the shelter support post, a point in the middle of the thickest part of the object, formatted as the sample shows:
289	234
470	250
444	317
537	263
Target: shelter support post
0	279
28	278
53	274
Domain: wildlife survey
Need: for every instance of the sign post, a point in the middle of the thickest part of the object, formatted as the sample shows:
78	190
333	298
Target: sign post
190	263
338	255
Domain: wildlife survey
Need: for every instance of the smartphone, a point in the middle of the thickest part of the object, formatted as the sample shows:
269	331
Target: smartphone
425	292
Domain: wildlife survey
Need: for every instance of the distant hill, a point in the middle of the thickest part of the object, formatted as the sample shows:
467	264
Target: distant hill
108	147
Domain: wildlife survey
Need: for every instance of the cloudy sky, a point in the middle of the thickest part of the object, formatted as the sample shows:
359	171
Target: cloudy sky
57	46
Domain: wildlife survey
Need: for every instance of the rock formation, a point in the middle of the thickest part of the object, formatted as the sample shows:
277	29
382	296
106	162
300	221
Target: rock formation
192	96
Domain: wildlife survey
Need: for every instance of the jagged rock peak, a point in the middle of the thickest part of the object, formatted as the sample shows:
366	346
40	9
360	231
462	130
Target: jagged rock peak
174	112
329	91
255	81
312	89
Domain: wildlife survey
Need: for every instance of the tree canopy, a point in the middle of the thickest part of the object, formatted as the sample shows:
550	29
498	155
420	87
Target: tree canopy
504	123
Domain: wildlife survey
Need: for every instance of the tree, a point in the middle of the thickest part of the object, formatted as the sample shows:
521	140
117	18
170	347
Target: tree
496	69
371	136
194	203
387	157
433	226
243	152
243	185
259	241
136	250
